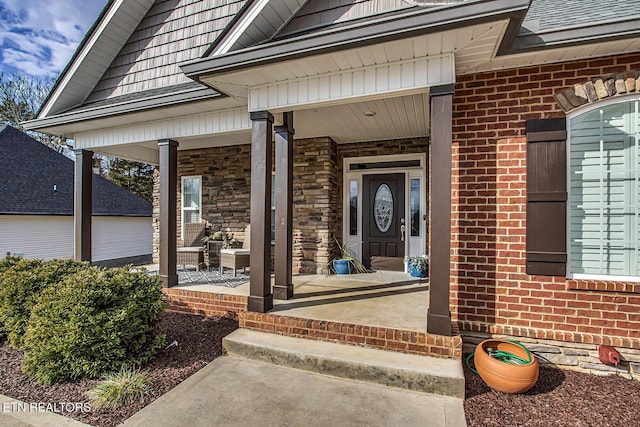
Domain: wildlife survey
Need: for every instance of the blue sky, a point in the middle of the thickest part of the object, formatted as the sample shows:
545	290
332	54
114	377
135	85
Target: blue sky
38	37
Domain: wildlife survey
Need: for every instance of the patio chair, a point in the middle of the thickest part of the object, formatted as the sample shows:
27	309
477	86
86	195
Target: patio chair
236	258
193	251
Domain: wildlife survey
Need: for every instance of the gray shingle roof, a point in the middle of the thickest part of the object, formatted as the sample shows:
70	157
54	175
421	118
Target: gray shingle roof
29	171
551	15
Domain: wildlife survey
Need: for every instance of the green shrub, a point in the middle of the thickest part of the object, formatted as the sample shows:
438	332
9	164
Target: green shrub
121	388
93	322
20	286
8	262
5	264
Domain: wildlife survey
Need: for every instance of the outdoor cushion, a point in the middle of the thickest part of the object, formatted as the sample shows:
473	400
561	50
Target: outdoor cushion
238	251
191	249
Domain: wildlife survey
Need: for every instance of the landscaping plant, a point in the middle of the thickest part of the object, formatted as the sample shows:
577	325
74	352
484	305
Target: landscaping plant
346	254
21	284
8	262
93	322
120	388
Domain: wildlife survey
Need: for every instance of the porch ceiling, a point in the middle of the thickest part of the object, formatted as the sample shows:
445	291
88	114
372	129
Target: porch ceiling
400	117
394	118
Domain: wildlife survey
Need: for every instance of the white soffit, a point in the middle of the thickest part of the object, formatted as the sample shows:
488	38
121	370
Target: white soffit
393	118
371	82
594	50
194	125
70	130
387	69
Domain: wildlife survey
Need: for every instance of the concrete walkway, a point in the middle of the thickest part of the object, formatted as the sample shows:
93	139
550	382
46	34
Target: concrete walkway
233	391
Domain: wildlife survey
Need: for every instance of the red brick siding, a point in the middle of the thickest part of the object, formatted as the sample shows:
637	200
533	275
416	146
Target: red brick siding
490	290
411	342
205	303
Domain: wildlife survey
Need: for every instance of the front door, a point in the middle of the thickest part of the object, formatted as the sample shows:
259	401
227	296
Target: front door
383	222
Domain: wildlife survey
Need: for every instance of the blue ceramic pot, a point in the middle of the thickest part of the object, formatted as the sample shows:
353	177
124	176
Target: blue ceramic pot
342	266
417	272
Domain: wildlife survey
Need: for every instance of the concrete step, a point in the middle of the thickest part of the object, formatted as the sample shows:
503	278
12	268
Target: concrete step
419	373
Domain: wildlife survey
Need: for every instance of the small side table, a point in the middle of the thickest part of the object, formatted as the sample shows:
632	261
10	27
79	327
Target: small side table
213	253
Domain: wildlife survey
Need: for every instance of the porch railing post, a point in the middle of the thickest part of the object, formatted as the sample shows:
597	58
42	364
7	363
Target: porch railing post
168	211
283	288
438	315
82	204
260	296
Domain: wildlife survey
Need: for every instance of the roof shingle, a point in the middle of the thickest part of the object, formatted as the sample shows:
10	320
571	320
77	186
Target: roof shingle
37	180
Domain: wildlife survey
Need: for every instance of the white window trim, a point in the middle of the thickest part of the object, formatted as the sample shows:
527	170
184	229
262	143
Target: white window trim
182	208
578	112
356	241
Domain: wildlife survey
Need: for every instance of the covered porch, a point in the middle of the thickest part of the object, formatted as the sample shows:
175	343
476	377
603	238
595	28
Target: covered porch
370	81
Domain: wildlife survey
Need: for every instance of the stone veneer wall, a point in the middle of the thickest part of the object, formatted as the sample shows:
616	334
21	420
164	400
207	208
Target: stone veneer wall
226	198
226	185
490	291
315	204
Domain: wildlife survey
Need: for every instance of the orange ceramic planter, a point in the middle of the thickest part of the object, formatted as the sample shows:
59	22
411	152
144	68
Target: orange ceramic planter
503	376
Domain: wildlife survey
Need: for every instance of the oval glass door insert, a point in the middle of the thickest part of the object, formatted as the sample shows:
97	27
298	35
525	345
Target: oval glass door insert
383	208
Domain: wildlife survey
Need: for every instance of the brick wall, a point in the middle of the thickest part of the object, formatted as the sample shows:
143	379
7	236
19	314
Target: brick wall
490	290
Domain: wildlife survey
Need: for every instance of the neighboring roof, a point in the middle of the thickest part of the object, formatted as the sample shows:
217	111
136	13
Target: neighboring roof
35	179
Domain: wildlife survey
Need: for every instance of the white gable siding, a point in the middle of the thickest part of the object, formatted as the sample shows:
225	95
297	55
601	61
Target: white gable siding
48	237
171	33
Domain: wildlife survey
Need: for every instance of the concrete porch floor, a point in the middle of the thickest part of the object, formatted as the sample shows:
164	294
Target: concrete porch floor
384	298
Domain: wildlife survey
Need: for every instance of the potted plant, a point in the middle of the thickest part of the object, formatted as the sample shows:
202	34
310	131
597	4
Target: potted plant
346	263
218	236
418	266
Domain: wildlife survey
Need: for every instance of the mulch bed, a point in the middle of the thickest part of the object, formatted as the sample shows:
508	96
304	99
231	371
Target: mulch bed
560	398
199	342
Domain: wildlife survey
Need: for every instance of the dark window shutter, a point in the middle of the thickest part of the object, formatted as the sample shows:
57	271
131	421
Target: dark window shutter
547	197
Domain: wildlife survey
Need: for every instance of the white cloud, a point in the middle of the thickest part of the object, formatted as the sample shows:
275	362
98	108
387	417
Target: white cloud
39	37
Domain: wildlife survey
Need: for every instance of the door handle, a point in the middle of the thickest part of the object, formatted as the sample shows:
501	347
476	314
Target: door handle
402	229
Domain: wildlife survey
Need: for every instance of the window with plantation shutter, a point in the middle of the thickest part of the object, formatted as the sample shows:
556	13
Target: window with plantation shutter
546	197
604	189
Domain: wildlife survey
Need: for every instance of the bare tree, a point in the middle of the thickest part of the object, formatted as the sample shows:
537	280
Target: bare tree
20	99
